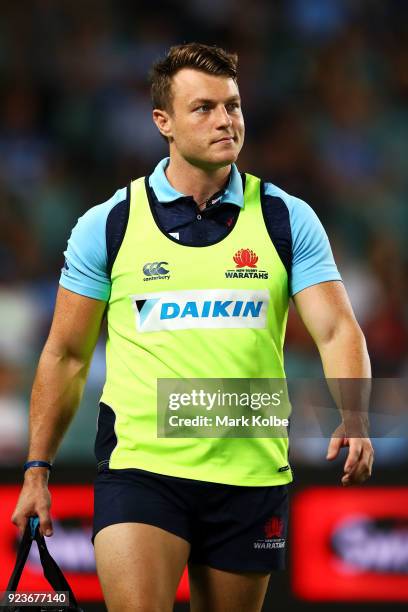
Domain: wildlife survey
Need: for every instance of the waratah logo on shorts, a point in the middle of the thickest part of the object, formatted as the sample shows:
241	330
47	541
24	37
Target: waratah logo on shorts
245	265
273	530
201	308
273	527
156	271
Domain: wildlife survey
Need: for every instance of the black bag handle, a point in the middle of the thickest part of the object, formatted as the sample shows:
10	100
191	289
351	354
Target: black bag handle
52	571
22	554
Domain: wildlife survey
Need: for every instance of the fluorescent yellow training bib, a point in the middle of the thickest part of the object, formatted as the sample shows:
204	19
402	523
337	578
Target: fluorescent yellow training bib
176	311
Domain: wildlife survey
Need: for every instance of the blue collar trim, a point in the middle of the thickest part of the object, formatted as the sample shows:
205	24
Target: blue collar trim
165	193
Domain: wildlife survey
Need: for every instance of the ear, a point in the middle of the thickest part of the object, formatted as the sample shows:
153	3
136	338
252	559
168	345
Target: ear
163	121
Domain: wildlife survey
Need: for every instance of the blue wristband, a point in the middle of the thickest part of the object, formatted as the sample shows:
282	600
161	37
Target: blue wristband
31	464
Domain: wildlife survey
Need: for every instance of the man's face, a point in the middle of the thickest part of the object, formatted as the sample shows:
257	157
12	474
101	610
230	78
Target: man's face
205	125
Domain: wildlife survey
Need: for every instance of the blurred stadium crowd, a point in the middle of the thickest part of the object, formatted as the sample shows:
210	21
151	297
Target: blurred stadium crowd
325	93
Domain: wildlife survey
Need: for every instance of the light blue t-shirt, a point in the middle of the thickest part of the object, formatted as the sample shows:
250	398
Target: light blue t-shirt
86	260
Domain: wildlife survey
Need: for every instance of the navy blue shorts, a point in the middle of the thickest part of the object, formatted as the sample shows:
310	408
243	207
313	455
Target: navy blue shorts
229	527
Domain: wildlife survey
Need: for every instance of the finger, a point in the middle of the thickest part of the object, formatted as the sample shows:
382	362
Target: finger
354	454
371	461
19	521
369	454
359	475
363	470
335	445
46	528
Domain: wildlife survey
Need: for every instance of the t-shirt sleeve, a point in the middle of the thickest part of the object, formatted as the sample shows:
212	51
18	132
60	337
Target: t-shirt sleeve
85	268
313	260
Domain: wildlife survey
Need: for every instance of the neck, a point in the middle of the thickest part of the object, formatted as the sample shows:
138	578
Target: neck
200	183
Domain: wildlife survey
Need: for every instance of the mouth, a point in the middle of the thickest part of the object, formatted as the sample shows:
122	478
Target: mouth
225	139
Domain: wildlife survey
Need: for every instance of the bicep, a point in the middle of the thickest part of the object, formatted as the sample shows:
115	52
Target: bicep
324	308
75	326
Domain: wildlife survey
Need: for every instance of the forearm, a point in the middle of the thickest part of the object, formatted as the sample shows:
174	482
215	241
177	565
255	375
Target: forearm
56	393
345	354
326	311
346	365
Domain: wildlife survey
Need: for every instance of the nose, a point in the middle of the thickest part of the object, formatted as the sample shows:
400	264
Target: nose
223	118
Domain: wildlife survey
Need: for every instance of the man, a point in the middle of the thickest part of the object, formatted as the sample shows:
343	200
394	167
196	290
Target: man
157	250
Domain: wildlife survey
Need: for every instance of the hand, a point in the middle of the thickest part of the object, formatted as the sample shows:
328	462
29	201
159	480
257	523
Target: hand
359	462
35	499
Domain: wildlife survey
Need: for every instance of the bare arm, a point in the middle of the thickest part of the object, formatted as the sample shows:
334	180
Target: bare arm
327	314
56	394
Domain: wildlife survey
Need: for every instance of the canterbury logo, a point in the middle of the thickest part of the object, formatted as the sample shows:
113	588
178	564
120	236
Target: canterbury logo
245	258
156	268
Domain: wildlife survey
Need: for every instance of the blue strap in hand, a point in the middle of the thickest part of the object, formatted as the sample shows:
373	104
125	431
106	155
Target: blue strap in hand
34	522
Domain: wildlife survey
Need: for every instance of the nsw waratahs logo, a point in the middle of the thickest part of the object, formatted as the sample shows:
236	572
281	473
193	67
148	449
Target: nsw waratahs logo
273	534
245	258
273	527
245	265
